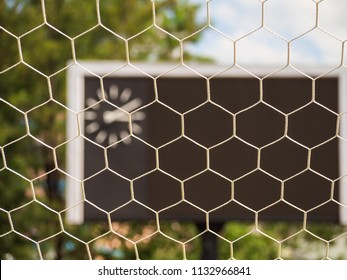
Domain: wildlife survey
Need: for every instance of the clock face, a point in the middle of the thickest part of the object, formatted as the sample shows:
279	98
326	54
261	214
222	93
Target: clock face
108	122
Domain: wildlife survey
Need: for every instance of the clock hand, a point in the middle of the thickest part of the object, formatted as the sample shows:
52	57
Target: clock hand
112	116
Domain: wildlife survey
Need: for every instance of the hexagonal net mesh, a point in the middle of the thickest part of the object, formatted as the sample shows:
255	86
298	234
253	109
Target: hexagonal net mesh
173	129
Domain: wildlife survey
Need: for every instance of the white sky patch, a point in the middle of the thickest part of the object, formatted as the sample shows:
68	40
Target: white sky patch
333	17
289	19
262	48
316	47
236	18
215	45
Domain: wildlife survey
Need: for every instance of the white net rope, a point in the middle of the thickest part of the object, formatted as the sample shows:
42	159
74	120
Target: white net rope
24	222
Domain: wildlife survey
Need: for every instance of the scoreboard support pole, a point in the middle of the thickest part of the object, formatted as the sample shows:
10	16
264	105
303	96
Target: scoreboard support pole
209	242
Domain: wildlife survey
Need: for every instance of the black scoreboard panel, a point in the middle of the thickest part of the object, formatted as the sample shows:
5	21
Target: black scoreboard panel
235	101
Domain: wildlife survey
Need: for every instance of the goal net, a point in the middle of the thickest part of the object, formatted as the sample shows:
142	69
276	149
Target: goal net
169	129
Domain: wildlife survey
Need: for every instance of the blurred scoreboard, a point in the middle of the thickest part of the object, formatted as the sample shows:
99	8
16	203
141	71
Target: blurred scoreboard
267	146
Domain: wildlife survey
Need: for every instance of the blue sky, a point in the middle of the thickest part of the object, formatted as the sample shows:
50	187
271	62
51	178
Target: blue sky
287	18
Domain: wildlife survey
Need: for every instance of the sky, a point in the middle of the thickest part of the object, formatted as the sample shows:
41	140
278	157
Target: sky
290	19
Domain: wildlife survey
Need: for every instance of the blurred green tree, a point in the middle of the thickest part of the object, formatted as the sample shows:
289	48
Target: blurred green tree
37	39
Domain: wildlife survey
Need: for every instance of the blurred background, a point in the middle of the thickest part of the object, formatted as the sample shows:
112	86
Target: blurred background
39	40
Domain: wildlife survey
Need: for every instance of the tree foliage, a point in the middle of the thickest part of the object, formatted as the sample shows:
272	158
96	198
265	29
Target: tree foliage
38	39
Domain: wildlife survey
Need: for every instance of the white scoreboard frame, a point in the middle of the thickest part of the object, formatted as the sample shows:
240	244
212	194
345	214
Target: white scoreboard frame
75	100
